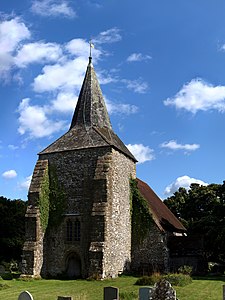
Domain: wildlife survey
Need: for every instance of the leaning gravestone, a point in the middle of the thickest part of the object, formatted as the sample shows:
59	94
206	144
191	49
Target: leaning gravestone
111	293
25	296
162	290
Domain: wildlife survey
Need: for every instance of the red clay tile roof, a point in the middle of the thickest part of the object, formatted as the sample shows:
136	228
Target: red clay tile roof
163	217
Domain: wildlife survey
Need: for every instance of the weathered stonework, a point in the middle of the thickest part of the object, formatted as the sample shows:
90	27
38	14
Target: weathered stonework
151	255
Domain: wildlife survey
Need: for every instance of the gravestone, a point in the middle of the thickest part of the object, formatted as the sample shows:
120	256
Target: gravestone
25	296
162	290
2	269
144	293
65	298
223	292
111	293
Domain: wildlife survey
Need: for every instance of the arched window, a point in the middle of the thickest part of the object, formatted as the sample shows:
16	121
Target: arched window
77	230
69	230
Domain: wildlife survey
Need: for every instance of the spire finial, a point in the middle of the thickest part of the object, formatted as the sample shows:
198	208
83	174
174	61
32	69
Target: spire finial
91	46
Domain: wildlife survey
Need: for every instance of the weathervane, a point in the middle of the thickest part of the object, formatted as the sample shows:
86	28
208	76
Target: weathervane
91	46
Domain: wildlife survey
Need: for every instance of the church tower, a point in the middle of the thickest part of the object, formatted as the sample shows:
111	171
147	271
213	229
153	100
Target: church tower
78	220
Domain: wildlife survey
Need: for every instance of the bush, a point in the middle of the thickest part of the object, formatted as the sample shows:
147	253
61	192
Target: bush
174	279
7	276
149	280
178	279
187	270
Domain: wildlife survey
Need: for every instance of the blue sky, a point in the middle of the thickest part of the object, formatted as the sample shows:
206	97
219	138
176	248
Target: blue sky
161	67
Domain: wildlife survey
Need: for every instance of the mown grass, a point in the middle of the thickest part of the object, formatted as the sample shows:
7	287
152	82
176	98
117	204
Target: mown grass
204	288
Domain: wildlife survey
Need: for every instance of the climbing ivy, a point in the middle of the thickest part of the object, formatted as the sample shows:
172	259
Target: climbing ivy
43	201
57	199
141	218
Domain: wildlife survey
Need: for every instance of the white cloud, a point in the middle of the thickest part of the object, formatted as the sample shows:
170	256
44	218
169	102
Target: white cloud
138	85
66	76
120	108
54	8
138	57
64	103
38	52
141	153
34	121
26	183
12	147
198	95
9	174
173	145
12	33
183	181
109	36
80	47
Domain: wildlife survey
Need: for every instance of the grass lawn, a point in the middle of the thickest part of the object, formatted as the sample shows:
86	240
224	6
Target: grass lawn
207	289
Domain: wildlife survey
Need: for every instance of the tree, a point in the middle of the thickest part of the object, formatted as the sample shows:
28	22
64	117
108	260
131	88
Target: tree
12	228
202	211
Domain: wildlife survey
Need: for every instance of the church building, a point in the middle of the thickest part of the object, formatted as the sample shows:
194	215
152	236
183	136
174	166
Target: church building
79	215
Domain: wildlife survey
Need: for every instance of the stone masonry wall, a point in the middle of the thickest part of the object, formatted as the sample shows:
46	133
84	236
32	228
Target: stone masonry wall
96	186
151	255
117	252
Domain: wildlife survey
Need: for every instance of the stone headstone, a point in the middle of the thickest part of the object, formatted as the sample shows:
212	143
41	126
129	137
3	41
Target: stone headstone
111	293
65	298
223	292
2	269
25	296
144	293
162	290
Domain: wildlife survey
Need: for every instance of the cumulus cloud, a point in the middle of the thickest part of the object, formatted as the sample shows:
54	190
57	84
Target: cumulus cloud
25	183
38	52
33	120
138	57
53	8
9	174
12	33
141	153
64	102
109	36
66	76
173	145
13	147
183	181
120	108
138	85
199	95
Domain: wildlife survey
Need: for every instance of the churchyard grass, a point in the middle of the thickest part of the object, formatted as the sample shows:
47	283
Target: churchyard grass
204	288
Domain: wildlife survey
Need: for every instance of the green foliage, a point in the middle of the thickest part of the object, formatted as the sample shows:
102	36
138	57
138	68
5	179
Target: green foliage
178	279
43	202
173	278
12	228
57	199
7	276
202	210
129	295
187	270
141	217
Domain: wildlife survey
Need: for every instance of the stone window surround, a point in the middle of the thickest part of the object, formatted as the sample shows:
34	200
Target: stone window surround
72	228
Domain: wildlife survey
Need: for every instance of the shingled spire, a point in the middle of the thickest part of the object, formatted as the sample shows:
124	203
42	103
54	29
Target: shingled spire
90	126
91	110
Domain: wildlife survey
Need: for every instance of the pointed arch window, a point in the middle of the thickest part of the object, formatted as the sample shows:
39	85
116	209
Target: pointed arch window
77	230
69	230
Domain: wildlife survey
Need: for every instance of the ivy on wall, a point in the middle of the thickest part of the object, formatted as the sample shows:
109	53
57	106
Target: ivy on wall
141	219
43	202
57	199
51	201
